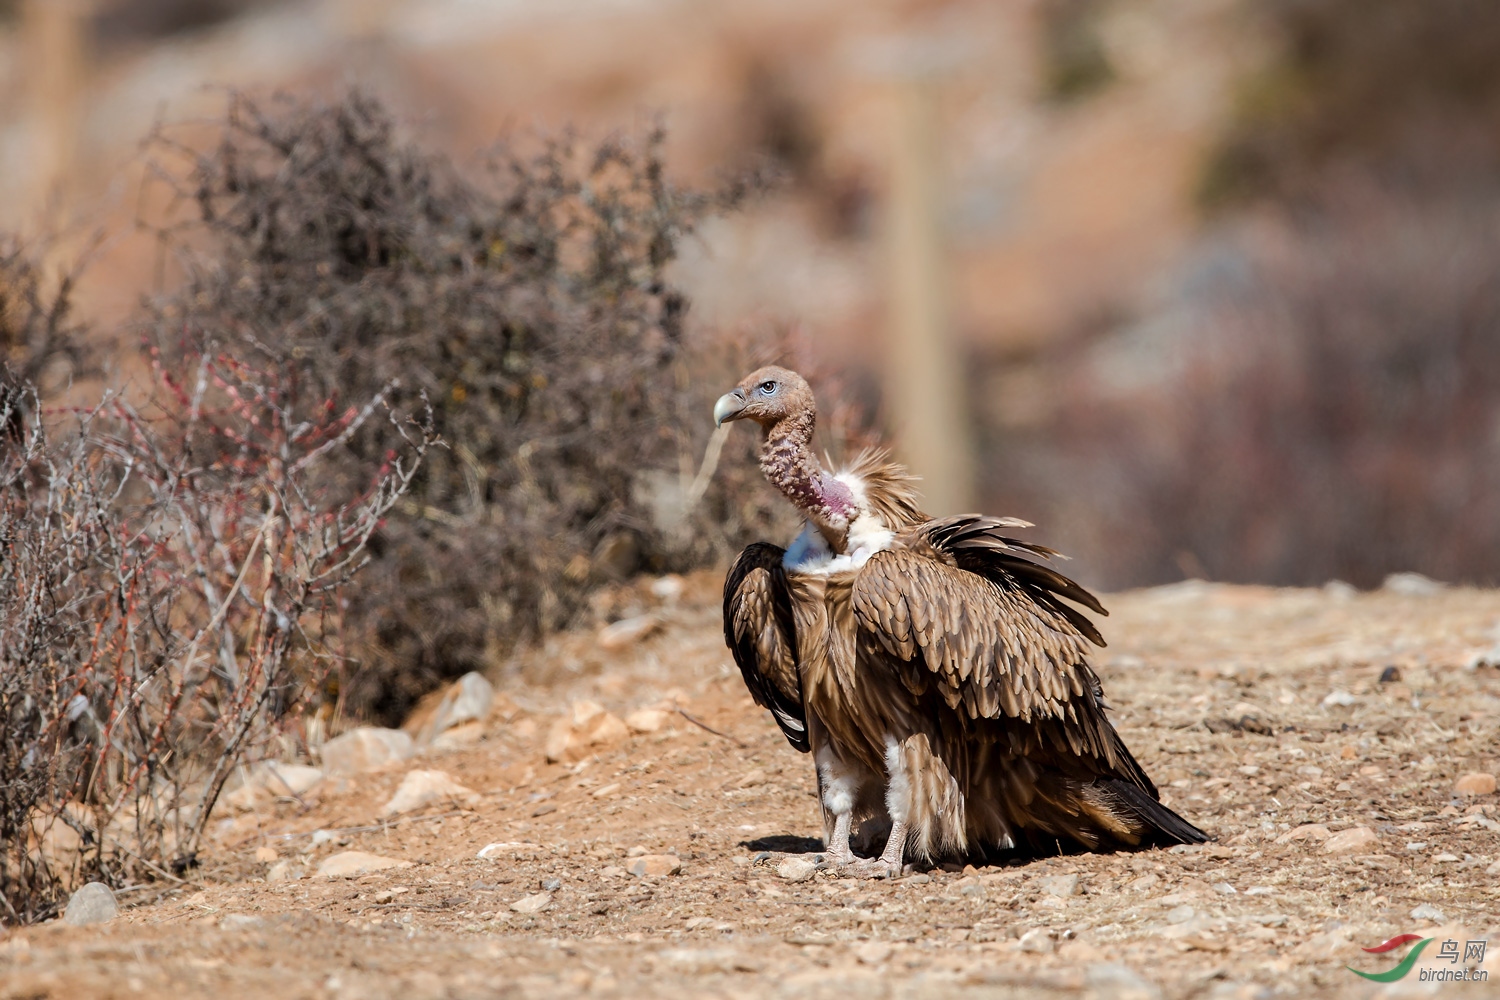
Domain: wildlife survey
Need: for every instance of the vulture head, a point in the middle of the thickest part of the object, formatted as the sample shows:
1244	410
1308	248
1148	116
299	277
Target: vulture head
766	396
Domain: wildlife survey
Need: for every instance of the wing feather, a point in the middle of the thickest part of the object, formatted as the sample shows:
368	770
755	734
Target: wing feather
760	631
972	633
957	603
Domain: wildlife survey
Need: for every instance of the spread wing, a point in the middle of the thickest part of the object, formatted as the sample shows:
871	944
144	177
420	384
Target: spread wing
959	607
759	630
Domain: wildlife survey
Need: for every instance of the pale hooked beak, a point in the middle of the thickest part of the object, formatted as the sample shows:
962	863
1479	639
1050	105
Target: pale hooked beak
729	406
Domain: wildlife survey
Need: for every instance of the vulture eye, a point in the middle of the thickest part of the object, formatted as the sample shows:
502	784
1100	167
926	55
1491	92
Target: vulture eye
768	388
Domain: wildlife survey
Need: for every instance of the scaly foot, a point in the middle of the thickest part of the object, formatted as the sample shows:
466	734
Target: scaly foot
869	868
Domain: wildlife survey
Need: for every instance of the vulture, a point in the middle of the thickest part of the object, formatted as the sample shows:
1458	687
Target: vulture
935	668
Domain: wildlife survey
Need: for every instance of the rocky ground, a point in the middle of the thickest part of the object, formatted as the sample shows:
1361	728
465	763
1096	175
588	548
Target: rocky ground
1339	746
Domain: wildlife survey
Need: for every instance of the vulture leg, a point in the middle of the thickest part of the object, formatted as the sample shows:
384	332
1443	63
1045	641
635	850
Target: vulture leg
839	852
889	864
839	788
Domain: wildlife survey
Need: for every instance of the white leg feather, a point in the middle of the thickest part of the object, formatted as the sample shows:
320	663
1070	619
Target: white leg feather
839	792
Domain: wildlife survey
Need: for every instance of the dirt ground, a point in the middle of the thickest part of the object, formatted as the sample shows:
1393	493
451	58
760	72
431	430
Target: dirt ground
1257	711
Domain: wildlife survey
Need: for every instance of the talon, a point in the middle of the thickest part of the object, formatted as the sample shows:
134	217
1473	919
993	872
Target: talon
866	868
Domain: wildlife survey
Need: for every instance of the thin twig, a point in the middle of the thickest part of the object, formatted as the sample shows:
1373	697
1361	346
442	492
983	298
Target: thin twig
706	727
376	828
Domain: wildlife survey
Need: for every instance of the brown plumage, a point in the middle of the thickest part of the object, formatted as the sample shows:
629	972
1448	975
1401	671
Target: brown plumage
936	668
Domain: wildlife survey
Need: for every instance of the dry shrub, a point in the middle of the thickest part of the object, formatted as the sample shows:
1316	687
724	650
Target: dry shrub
41	341
530	301
170	584
1322	401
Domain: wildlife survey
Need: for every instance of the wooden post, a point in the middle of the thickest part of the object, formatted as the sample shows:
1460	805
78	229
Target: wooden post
924	376
56	68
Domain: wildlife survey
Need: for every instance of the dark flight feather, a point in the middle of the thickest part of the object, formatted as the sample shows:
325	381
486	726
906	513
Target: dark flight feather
759	630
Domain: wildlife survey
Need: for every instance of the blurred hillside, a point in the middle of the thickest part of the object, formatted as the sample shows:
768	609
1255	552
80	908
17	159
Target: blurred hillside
1209	285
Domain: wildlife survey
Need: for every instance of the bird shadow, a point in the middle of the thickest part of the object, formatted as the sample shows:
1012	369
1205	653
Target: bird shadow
784	844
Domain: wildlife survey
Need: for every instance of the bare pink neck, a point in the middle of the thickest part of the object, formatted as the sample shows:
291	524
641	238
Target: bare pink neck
787	459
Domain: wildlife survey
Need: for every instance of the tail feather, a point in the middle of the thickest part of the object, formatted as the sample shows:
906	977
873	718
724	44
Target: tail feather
1169	828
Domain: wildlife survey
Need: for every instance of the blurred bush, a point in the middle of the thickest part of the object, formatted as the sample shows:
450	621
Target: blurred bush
1410	90
531	302
1316	393
1319	400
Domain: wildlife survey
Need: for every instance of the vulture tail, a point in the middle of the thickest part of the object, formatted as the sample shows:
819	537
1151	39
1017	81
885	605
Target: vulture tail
1163	825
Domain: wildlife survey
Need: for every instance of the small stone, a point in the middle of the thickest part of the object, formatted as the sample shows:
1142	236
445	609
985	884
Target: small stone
627	632
606	730
1307	831
1119	982
1412	585
356	863
1428	912
655	864
1477	783
1348	753
1340	591
606	791
1181	914
1038	941
586	726
1355	840
319	838
467	700
1260	890
532	904
698	923
563	744
285	870
1225	889
518	849
668	588
1445	858
94	903
705	961
920	878
423	788
464	735
239	922
368	748
796	869
637	851
751	779
266	854
647	720
613	871
1061	886
873	952
1342	699
1390	675
551	884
